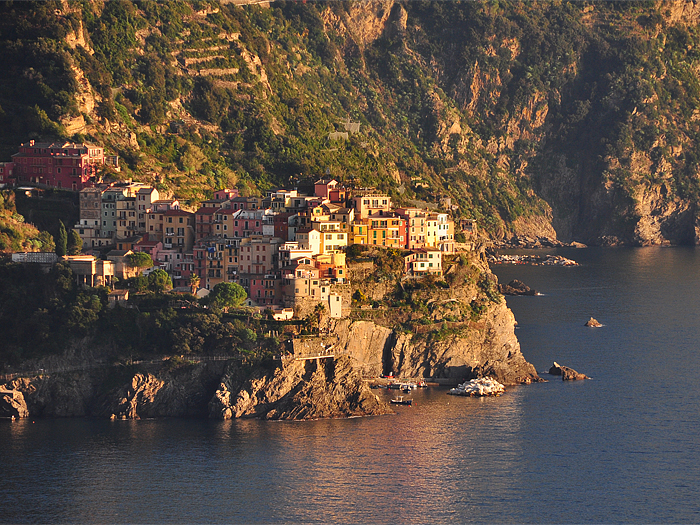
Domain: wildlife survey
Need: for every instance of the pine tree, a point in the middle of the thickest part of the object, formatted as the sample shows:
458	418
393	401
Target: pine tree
61	240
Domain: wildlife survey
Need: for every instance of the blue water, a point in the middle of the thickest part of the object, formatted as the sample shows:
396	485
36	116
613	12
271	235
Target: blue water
622	447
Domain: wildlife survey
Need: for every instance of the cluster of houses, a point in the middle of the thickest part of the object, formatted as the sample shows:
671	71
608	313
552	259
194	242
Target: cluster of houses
285	249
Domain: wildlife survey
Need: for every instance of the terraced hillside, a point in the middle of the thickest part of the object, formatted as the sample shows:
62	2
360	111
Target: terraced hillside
567	119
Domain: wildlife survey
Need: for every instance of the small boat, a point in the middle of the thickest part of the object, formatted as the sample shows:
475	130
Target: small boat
401	401
422	384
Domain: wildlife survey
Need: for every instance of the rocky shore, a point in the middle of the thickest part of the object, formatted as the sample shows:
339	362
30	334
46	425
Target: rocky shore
535	242
538	260
292	389
446	331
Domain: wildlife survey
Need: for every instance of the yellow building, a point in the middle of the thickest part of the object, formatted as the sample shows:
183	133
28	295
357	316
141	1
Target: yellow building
369	203
387	230
358	232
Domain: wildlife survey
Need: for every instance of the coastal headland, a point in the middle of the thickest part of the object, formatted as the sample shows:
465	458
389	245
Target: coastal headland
446	329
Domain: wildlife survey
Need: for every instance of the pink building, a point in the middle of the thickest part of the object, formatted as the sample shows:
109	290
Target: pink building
67	165
151	246
244	223
265	290
225	195
258	255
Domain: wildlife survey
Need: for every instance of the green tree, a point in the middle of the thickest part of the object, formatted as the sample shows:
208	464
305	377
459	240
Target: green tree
140	260
47	242
227	295
75	243
159	281
61	240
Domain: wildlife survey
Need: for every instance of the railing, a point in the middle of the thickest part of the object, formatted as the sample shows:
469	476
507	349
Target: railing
321	354
102	364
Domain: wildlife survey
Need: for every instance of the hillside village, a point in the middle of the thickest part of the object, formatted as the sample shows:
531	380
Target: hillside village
287	249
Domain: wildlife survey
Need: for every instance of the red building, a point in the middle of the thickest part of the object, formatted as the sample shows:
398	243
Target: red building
6	176
338	195
65	165
281	224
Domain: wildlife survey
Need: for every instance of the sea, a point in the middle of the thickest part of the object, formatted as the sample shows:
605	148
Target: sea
623	447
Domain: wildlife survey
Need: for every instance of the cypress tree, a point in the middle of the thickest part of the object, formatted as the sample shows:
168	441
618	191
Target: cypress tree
75	243
61	240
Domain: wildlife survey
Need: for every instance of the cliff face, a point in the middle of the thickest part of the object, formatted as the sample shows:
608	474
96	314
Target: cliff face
486	348
297	390
310	389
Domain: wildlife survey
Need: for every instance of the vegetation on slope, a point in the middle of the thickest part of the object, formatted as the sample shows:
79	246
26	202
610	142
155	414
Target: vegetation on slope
48	314
510	108
15	234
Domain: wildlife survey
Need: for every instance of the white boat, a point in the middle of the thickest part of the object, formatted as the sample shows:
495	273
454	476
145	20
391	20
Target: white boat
484	386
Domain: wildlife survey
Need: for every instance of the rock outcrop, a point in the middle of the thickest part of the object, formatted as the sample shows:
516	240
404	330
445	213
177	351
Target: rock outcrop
516	287
566	373
312	389
12	404
298	390
473	350
593	323
460	329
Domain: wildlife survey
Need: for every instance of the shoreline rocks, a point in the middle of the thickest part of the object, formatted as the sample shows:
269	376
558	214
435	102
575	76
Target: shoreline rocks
566	373
535	260
12	404
536	243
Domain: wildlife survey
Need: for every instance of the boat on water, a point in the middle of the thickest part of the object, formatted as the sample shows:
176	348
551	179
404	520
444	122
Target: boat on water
401	401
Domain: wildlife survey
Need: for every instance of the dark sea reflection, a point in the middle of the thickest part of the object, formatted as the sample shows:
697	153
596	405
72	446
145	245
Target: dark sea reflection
620	448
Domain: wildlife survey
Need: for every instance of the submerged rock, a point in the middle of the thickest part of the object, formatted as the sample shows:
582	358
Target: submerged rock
593	323
484	386
566	373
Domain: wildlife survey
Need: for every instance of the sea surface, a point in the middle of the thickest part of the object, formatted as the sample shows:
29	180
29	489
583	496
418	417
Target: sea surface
622	447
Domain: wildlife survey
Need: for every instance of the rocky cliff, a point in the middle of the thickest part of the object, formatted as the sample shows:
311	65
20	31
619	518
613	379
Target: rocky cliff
469	350
296	389
310	389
